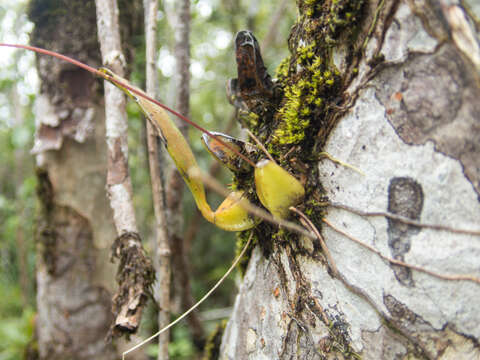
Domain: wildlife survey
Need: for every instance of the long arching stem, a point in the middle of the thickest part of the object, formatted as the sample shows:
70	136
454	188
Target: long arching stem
128	87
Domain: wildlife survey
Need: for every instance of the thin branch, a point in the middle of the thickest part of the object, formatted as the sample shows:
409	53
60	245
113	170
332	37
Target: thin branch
401	263
260	145
130	88
162	247
135	269
182	281
219	282
309	225
404	220
340	162
182	57
175	183
118	178
273	28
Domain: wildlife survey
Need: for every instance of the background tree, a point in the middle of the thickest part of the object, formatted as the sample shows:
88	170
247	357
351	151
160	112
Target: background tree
388	87
17	190
75	278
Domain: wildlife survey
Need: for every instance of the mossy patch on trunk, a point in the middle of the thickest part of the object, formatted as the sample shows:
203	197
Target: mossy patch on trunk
308	92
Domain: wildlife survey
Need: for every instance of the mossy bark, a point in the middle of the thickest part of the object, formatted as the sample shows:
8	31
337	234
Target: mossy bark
352	87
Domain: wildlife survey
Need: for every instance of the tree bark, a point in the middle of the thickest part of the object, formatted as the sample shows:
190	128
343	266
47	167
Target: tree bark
175	183
74	274
135	271
405	113
162	257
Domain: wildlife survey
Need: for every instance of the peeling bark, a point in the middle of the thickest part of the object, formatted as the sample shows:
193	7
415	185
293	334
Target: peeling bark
407	118
74	276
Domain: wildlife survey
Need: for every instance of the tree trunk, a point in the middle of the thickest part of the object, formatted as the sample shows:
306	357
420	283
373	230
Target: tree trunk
75	278
391	88
175	185
162	255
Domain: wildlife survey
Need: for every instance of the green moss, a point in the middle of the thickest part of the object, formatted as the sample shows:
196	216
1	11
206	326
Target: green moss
249	119
212	346
311	81
295	117
316	80
343	14
309	89
331	18
282	69
242	238
273	150
310	7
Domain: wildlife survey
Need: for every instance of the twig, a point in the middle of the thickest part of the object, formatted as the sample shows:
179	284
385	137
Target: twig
401	263
162	247
273	28
308	224
219	282
118	179
344	164
182	58
130	299
260	145
175	183
132	89
404	220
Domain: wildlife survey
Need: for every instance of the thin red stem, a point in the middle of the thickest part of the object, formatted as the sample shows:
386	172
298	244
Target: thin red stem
128	87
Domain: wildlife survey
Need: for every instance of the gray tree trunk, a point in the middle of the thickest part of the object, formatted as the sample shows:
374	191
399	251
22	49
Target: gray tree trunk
409	120
75	278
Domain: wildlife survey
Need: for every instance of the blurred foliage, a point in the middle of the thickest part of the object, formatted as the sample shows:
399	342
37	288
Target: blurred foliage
18	85
181	348
17	324
214	24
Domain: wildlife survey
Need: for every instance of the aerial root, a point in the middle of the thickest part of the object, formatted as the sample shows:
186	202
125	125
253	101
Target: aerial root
197	304
340	162
309	225
404	220
456	277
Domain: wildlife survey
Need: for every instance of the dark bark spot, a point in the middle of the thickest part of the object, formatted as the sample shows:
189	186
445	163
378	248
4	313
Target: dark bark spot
399	311
411	325
117	164
46	235
45	190
78	85
47	240
435	97
405	198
